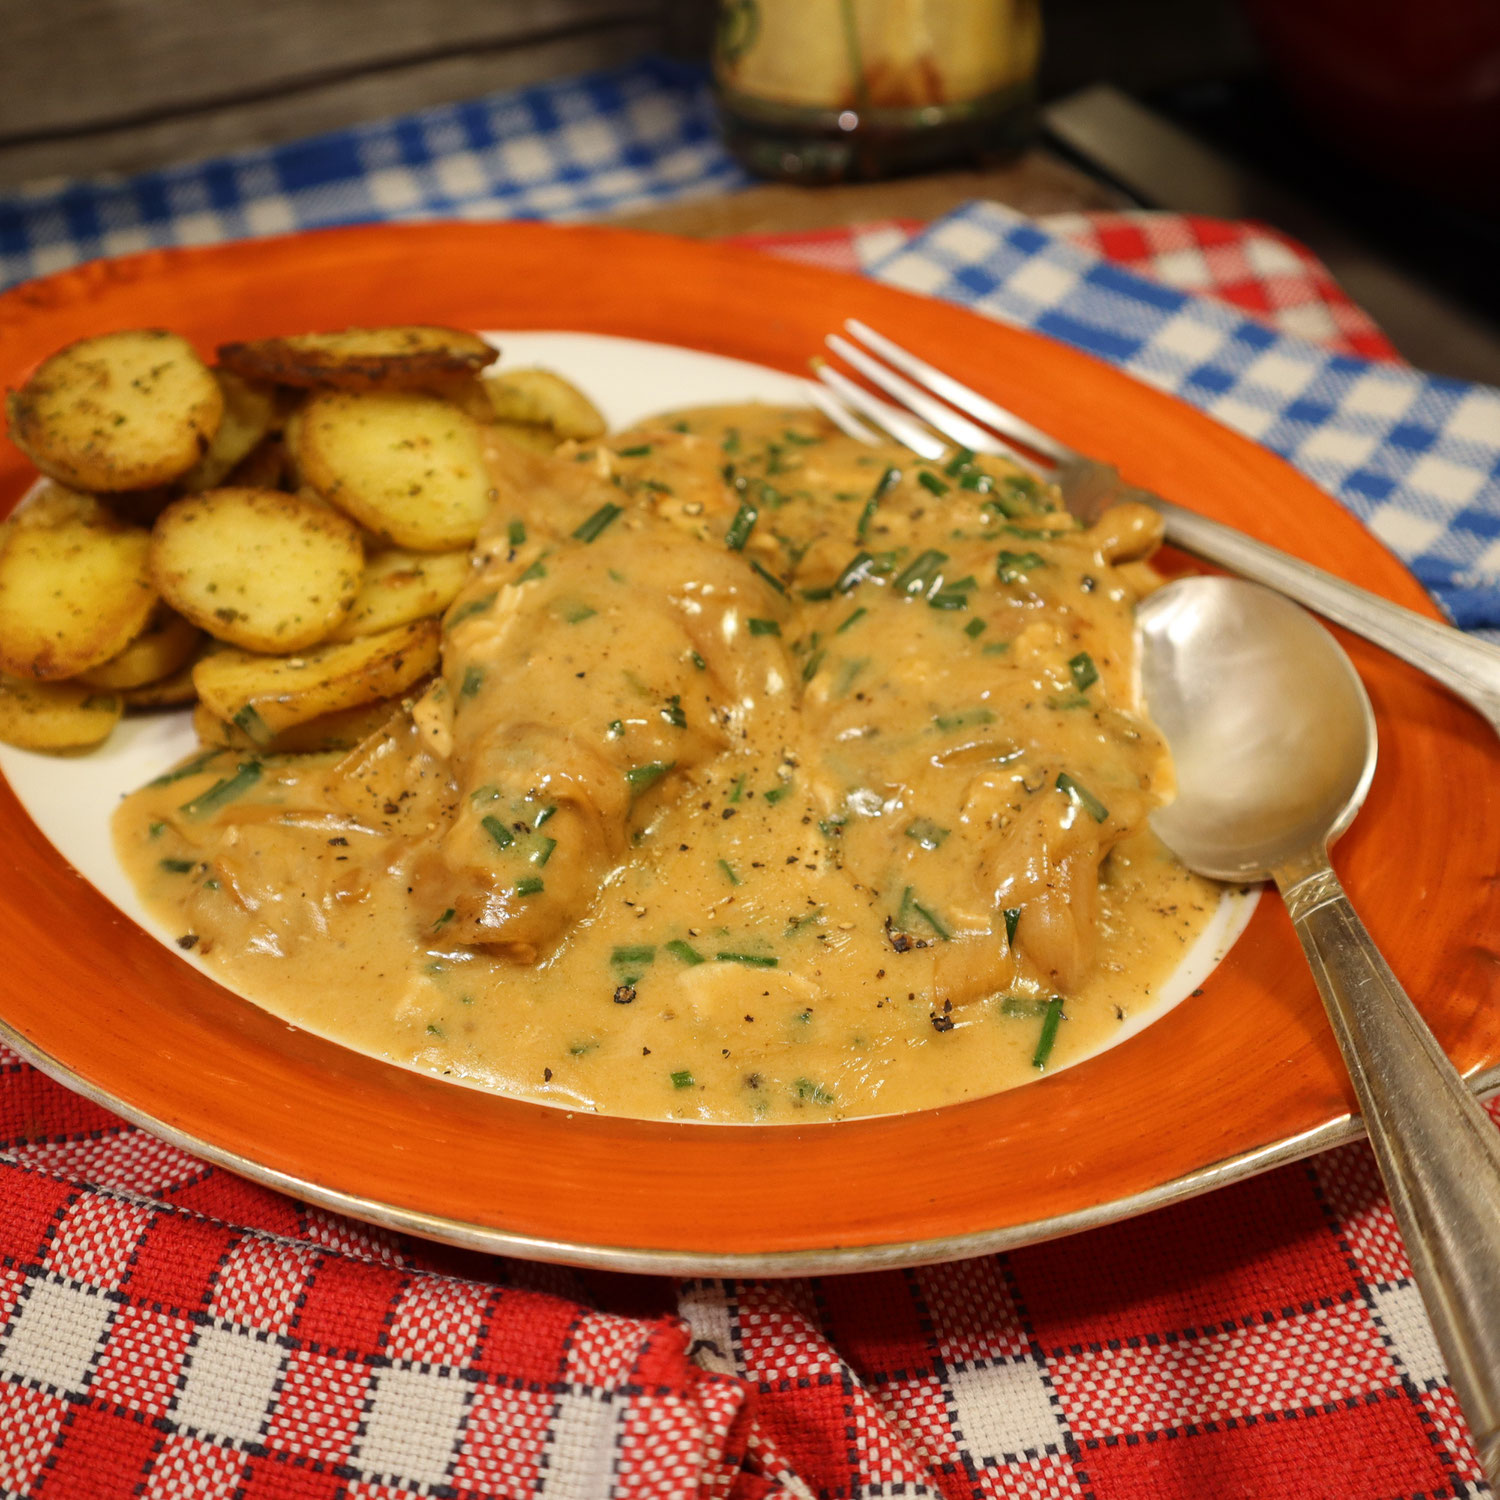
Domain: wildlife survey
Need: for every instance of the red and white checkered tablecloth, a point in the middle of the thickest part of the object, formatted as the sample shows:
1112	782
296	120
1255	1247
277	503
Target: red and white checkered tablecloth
170	1330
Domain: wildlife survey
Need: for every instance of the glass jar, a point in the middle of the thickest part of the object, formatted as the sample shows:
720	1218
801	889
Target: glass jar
828	90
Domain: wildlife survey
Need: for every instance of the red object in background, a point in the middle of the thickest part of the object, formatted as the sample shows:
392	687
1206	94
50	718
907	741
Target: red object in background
1410	87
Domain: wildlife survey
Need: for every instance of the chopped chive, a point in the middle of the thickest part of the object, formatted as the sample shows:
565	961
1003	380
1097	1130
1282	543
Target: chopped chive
890	478
473	681
769	577
909	903
921	572
1010	566
641	777
777	792
964	720
926	833
543	815
589	531
810	667
1022	1007
815	1093
176	866
739	788
616	728
515	533
1012	921
1070	700
852	618
976	628
497	831
445	919
801	439
697	661
848	675
764	627
1082	797
682	1080
673	713
484	794
948	599
1048	1037
728	870
856	570
930	481
962	459
253	725
741	527
535	571
543	851
247	774
1085	673
816	596
639	451
972	479
188	768
155	830
643	955
996	648
576	614
684	951
753	960
529	885
468	610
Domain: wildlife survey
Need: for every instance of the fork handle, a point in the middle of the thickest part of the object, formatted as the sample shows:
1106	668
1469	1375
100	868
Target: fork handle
1468	668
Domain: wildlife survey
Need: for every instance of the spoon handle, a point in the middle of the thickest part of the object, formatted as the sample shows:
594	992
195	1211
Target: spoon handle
1468	668
1438	1151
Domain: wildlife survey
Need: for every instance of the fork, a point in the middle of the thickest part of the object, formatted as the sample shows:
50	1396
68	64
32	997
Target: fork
1468	668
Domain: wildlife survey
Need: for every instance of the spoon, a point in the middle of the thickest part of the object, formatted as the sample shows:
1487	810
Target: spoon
1275	744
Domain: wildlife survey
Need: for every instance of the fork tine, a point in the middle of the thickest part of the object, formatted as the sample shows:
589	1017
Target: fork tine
931	410
900	426
981	408
838	413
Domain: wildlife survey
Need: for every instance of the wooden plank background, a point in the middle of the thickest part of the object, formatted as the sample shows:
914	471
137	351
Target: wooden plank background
96	86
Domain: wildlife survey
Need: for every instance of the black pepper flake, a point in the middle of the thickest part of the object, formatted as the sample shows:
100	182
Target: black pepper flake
625	994
645	1052
340	840
188	940
391	807
791	859
546	1075
1196	993
901	943
727	814
750	1018
941	1023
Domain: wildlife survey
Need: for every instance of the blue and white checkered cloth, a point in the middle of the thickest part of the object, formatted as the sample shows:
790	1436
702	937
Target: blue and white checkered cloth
1416	457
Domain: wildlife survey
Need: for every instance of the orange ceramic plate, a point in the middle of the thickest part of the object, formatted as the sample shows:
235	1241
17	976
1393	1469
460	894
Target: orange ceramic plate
1240	1077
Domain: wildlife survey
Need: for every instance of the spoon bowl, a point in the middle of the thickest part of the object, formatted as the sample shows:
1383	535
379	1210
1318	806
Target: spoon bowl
1274	743
1271	730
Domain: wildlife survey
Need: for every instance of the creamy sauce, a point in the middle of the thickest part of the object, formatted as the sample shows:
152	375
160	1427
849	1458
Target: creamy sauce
769	777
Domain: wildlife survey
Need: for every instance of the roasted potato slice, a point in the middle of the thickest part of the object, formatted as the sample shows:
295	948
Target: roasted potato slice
257	568
122	411
249	412
542	398
175	691
55	715
363	359
265	696
341	730
75	586
166	644
527	434
409	468
401	586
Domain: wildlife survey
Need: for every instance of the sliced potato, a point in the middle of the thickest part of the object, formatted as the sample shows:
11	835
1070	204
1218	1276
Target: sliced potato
527	434
257	568
408	467
166	644
75	586
175	691
122	411
543	398
265	467
363	359
400	586
265	695
341	730
55	715
249	412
